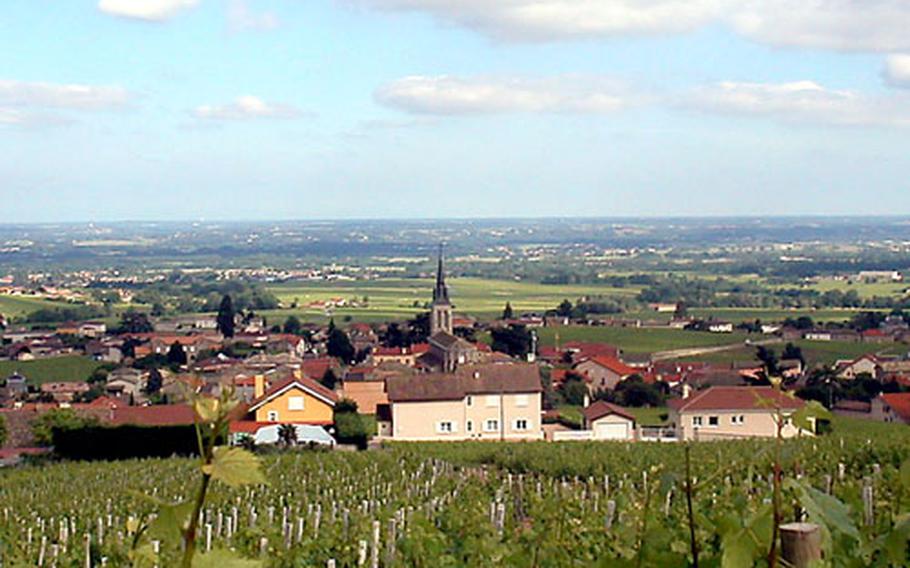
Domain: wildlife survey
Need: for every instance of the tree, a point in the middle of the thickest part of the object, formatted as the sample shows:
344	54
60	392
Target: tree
346	405
225	318
58	419
176	356
339	344
769	360
507	311
292	325
792	351
132	321
395	337
329	380
287	435
634	392
4	432
514	340
564	309
154	383
574	390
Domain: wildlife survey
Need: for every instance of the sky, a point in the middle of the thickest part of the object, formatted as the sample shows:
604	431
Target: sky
346	109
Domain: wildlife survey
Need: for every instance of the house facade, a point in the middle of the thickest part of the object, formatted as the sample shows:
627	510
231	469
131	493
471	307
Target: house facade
608	421
724	413
484	402
294	400
604	372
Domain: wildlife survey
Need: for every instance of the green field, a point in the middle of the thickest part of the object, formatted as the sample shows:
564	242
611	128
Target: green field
639	340
403	298
18	306
67	368
864	289
815	352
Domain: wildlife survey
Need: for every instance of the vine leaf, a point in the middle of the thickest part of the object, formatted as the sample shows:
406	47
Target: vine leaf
234	467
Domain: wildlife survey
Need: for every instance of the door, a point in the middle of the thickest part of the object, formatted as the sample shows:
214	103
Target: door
611	431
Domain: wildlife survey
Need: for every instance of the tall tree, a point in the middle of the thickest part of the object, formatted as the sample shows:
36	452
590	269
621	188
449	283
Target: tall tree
507	311
225	317
292	325
176	355
339	345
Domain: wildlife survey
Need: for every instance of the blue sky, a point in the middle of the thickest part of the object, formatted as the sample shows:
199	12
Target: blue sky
301	109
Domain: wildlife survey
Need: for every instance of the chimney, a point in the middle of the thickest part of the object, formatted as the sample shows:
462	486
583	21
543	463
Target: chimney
686	390
258	386
587	401
476	374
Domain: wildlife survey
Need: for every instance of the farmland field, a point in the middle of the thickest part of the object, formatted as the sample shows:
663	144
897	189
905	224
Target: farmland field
815	352
637	340
66	368
478	504
403	298
18	306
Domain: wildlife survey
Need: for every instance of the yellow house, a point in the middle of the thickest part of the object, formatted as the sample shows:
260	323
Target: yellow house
297	400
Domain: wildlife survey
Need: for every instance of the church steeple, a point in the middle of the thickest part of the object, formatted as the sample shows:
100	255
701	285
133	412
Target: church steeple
441	292
441	310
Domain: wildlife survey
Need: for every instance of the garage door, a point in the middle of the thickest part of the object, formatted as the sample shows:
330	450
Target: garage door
611	431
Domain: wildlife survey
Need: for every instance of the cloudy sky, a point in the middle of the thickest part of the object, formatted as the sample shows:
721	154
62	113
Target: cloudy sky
300	109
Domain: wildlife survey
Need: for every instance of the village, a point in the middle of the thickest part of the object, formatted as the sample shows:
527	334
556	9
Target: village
306	384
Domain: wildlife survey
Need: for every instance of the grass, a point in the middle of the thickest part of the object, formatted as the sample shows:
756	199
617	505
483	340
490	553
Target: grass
637	340
645	416
397	298
18	306
69	368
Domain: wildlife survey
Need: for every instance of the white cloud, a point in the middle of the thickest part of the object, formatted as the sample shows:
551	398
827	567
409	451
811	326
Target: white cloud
152	10
849	25
241	18
245	108
535	20
897	70
801	101
72	96
447	95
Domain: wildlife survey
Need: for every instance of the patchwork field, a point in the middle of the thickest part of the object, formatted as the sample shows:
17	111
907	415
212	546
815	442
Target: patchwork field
68	368
403	298
639	340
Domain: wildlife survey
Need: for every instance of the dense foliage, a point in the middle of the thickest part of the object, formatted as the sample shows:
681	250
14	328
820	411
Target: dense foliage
488	504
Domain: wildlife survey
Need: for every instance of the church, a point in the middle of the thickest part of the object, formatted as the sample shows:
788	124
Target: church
447	351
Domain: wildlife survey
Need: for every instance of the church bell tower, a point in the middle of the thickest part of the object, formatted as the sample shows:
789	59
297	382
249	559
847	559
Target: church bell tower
441	309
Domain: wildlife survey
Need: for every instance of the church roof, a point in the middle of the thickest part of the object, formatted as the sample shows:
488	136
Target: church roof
446	340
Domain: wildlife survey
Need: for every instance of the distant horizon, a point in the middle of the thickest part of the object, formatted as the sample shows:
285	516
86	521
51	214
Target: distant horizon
822	216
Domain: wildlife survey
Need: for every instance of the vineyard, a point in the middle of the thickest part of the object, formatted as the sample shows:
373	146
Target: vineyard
478	504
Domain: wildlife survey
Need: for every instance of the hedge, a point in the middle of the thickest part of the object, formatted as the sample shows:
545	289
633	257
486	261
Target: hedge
125	442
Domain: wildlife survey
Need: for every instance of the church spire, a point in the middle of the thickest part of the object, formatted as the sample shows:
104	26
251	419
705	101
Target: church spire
441	292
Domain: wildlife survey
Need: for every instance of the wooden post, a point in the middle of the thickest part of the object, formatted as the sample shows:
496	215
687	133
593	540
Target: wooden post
801	544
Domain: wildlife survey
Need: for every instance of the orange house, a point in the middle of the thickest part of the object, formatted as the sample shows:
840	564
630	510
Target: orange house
295	400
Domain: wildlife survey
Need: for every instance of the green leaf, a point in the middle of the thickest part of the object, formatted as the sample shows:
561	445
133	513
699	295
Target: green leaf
806	417
220	558
738	550
207	408
824	508
172	521
143	557
905	474
235	467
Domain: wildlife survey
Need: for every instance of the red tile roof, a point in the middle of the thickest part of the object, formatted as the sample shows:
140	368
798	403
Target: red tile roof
738	398
614	365
603	408
158	415
251	426
899	403
304	382
316	368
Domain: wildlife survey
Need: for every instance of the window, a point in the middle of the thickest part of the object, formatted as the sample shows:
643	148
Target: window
713	421
445	427
273	416
492	400
521	400
521	425
295	403
491	425
469	401
696	421
469	426
738	420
